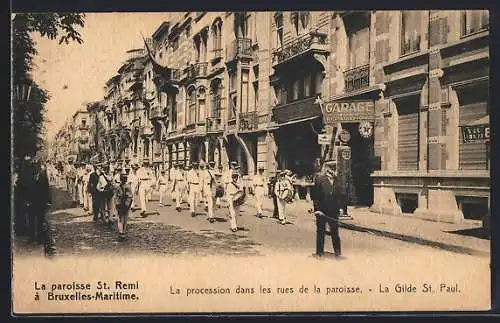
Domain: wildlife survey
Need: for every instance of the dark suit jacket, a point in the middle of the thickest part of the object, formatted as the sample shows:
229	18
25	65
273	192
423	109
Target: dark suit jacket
92	184
325	196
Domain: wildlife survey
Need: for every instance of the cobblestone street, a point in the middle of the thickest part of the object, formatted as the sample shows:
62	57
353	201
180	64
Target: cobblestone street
166	231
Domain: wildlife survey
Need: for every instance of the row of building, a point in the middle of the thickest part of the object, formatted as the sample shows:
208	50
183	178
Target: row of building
243	86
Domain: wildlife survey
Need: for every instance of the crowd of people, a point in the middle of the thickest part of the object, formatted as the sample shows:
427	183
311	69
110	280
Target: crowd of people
109	192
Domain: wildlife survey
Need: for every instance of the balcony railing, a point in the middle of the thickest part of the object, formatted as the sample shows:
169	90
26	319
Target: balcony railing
249	121
196	70
217	53
238	48
155	113
410	46
214	124
299	46
357	78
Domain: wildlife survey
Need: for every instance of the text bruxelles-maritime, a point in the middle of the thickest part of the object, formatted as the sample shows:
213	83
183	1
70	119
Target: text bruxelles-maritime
339	111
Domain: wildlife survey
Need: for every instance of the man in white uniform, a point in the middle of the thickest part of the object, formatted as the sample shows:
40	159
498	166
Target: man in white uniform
259	188
144	178
85	194
179	185
207	179
232	189
278	188
162	184
134	183
194	186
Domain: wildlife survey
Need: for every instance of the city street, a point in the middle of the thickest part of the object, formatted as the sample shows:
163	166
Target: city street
166	231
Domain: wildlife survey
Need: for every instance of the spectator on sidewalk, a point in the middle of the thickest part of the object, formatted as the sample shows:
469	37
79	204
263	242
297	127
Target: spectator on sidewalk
325	198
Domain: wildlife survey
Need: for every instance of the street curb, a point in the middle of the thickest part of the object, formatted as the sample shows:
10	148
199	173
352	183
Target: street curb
411	239
416	240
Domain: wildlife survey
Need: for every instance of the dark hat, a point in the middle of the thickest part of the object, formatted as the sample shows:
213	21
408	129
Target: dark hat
194	164
123	176
234	163
162	171
211	163
261	168
187	167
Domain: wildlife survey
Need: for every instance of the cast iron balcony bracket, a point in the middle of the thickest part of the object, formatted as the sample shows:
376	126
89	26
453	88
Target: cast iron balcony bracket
357	78
299	46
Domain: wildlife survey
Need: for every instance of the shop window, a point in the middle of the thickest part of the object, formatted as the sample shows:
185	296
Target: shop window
410	31
473	21
473	208
408	133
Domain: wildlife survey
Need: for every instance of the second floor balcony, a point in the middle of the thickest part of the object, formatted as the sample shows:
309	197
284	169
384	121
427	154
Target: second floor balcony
249	121
310	43
238	48
214	124
357	78
155	114
410	45
196	70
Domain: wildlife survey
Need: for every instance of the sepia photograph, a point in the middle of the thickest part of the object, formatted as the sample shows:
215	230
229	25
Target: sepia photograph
250	161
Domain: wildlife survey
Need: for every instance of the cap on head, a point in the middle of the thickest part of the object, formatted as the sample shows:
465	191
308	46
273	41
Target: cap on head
261	168
211	163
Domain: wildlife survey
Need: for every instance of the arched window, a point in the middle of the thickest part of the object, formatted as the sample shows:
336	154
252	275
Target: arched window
191	103
216	94
201	105
217	38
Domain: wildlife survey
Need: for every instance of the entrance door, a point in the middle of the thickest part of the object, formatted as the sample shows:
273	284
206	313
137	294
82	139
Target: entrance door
362	153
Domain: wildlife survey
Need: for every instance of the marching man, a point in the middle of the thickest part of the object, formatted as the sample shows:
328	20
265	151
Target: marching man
134	184
278	190
178	186
207	176
259	184
144	177
194	187
234	188
162	184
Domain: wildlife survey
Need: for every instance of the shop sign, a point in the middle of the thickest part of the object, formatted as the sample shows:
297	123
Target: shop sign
346	154
365	129
348	111
476	133
324	139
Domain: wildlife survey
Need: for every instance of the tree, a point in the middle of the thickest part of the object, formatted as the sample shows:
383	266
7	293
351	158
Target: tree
29	119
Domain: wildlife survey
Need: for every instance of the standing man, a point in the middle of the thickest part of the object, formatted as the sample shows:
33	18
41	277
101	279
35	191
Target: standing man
208	184
272	185
123	200
134	184
152	183
220	173
259	183
326	207
80	173
162	184
194	187
92	190
85	181
144	177
71	179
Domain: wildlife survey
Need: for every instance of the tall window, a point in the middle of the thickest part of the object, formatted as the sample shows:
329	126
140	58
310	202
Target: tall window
201	105
473	21
173	109
301	21
278	19
241	24
256	88
216	91
217	38
191	100
244	91
175	44
197	47
410	32
358	54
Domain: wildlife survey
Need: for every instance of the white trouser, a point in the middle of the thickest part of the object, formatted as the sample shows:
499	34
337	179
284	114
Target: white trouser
234	211
281	209
259	198
179	190
209	200
134	186
85	197
90	205
194	196
143	191
163	189
81	197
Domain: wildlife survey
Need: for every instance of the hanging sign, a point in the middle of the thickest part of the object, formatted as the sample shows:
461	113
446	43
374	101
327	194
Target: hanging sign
346	154
365	129
348	111
345	136
324	139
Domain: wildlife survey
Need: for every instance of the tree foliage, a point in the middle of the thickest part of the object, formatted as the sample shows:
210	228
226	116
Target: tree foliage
29	118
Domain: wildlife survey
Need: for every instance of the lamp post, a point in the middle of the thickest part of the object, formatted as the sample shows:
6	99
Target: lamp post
20	95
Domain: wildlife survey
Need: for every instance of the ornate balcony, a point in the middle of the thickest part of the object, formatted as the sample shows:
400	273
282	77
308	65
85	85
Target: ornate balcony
297	110
217	53
167	77
155	114
197	70
239	48
214	125
310	43
249	121
357	78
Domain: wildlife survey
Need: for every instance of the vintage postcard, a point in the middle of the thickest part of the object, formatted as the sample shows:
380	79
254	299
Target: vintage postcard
271	161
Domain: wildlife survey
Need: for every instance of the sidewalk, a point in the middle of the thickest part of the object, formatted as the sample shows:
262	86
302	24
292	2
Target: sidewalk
466	237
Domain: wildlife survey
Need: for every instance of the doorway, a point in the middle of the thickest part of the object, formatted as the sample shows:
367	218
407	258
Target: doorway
362	155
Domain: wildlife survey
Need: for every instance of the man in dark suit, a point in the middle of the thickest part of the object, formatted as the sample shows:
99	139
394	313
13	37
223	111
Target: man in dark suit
92	189
325	197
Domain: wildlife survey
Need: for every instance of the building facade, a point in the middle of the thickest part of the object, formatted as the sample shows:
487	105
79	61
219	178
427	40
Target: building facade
409	89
